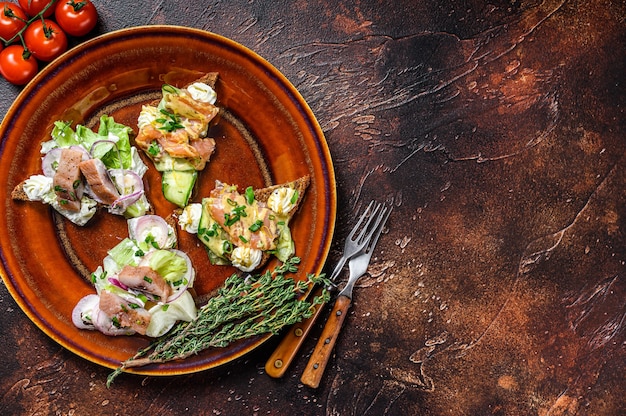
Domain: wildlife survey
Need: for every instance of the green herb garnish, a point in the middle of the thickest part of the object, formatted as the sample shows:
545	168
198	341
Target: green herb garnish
256	226
170	123
242	308
249	195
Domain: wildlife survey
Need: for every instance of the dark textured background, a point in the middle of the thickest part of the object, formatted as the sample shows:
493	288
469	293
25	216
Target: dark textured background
498	131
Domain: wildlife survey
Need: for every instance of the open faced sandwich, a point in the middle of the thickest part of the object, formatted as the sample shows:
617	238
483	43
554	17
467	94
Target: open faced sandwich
142	286
246	229
83	169
173	134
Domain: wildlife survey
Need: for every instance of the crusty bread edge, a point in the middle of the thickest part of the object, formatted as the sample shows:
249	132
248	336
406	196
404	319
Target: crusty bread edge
18	193
301	185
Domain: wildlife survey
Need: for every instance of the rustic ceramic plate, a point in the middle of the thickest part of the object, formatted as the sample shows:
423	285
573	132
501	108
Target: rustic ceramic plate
267	135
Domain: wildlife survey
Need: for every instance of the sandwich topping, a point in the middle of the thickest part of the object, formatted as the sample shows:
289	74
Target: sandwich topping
142	286
82	168
173	134
241	229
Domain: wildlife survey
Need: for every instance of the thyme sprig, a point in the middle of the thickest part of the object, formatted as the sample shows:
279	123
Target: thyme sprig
242	308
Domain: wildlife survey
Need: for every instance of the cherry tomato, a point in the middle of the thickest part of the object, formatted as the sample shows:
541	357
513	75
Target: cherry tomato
76	18
12	20
16	66
45	40
32	7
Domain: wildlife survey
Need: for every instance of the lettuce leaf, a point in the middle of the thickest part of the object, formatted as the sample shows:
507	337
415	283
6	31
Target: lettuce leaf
168	265
109	130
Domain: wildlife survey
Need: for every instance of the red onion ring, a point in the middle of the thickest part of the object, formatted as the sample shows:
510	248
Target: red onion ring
88	303
49	160
129	179
115	282
99	142
140	227
189	277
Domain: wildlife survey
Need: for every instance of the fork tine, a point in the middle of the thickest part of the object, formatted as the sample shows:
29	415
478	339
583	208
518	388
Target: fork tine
362	238
351	246
380	224
362	218
379	215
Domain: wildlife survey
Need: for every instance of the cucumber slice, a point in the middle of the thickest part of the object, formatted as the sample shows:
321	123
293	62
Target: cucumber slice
177	186
212	236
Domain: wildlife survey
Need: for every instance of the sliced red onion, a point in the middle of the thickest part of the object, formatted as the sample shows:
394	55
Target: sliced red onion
100	142
188	278
50	162
115	282
124	178
121	204
139	228
87	305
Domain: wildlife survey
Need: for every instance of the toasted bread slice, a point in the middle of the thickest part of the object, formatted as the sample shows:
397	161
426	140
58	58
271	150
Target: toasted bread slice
210	79
263	194
300	185
18	193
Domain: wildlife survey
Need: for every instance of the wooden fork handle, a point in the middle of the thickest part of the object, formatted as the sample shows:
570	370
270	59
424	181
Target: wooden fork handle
285	352
314	370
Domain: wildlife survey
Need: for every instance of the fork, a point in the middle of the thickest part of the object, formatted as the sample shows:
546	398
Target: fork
285	352
358	267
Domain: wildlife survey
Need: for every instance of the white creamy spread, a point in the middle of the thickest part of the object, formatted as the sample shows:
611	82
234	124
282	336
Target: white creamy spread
202	92
189	219
245	258
147	116
280	200
37	187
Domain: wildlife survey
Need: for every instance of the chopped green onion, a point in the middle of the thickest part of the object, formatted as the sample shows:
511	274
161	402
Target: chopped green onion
249	195
227	247
256	226
154	149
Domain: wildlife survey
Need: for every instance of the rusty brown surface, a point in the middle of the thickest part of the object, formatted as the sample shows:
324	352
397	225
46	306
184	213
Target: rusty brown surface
498	131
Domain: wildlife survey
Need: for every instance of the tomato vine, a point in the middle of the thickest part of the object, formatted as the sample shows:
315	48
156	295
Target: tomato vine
30	25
